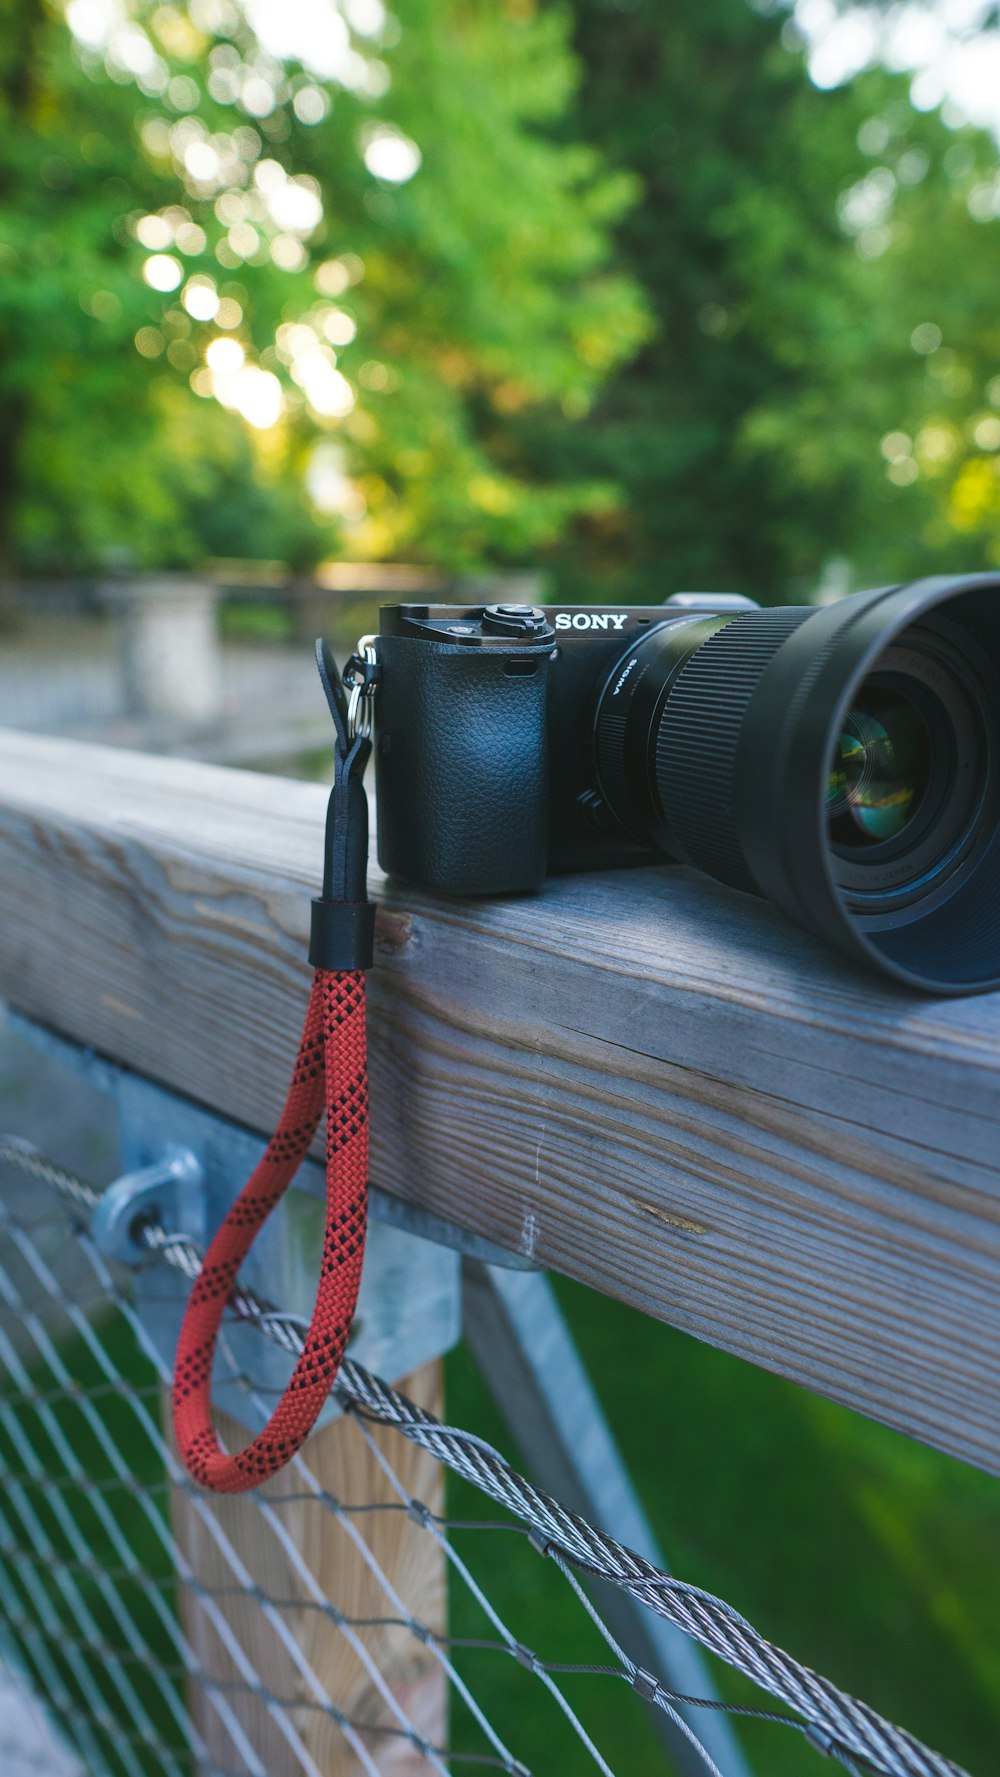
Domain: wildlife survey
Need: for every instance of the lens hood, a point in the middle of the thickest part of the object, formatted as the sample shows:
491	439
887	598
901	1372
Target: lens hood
932	922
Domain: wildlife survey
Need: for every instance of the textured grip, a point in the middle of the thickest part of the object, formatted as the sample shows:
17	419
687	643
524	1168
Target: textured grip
461	766
699	734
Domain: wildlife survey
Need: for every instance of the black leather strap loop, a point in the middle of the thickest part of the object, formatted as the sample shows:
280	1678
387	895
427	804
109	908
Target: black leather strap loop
342	934
342	919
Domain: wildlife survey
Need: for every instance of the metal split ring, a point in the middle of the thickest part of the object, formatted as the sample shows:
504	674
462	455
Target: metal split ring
362	693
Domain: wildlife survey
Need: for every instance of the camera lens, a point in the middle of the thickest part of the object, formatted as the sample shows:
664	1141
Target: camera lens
844	762
880	771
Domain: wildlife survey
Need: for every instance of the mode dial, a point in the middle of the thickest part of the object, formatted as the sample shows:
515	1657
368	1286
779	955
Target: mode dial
514	620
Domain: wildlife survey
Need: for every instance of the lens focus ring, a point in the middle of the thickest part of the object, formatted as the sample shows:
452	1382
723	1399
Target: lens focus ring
695	760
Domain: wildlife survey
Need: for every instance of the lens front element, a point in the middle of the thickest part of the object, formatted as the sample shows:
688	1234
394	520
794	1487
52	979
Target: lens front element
867	782
881	769
843	761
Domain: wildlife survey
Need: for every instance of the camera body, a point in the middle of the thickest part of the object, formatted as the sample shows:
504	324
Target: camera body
486	764
840	760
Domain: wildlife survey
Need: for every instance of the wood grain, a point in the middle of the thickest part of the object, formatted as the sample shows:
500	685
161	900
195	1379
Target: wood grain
638	1078
413	1562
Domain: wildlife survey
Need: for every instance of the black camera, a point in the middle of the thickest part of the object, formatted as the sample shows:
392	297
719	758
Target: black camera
843	760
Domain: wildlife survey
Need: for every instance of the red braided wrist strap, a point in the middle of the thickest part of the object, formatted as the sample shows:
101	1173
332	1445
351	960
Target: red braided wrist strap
331	1072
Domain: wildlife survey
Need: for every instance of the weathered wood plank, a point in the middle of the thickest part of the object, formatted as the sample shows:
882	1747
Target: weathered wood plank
343	1464
639	1078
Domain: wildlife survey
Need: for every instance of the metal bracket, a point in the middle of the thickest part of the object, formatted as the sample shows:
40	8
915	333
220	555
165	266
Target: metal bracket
111	1078
165	1193
183	1167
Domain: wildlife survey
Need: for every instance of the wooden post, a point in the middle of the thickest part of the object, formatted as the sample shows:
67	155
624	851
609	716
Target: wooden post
343	1464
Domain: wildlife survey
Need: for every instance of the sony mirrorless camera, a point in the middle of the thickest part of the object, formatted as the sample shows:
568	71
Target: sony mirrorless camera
843	760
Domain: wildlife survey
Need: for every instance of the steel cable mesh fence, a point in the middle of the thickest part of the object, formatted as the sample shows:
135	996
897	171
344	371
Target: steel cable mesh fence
162	1648
90	1565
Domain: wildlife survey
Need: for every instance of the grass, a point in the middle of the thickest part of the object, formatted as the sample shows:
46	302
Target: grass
74	1591
874	1559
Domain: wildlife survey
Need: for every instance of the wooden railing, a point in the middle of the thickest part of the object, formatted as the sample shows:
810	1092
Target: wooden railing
639	1079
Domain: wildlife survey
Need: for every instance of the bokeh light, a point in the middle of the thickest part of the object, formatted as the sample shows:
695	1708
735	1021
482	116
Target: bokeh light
926	338
163	272
337	327
389	155
201	299
224	356
332	277
154	232
150	343
311	104
253	393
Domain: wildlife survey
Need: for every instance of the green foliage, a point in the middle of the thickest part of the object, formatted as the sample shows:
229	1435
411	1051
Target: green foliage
491	280
637	301
868	1555
896	411
105	458
80	1626
174	150
790	242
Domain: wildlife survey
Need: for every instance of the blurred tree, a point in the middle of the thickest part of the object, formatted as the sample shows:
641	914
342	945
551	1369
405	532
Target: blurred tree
264	288
486	300
276	281
103	458
821	266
